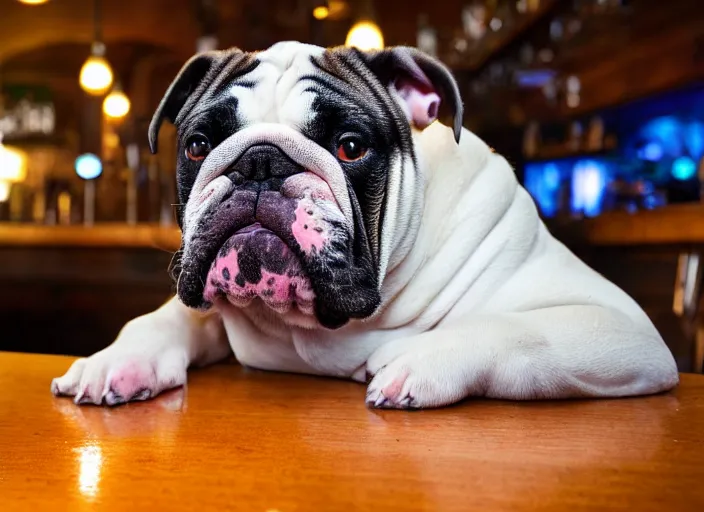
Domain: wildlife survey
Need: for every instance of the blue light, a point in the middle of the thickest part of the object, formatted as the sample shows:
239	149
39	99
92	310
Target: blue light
651	152
534	78
542	180
588	185
683	168
88	166
694	139
668	131
551	176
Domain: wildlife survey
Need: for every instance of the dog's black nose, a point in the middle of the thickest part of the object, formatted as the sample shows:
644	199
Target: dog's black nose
263	163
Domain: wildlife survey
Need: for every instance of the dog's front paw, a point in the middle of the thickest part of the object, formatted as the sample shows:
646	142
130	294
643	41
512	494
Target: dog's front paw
389	390
404	385
115	376
422	377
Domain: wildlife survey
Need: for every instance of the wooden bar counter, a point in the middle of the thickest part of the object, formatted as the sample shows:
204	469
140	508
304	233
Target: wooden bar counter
84	283
103	235
70	289
238	439
676	224
679	225
671	225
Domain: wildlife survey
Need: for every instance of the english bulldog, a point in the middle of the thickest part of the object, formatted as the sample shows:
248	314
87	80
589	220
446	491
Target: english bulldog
332	225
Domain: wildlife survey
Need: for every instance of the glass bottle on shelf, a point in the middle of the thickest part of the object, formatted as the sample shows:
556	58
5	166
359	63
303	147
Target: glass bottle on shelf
133	162
574	140
474	20
573	87
595	134
531	140
426	38
63	208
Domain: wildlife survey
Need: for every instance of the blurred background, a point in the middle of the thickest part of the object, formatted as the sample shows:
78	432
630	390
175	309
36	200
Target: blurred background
599	105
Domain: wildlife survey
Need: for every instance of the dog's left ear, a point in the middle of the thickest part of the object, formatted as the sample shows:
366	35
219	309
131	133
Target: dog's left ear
424	85
198	70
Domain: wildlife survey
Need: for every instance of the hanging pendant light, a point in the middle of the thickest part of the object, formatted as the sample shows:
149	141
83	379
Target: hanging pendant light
96	74
321	10
365	34
33	2
116	104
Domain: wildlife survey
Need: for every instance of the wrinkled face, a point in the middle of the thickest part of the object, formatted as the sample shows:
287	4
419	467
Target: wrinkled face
293	164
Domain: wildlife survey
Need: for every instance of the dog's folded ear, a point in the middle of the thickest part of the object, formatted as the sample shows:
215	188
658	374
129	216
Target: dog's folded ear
193	73
425	87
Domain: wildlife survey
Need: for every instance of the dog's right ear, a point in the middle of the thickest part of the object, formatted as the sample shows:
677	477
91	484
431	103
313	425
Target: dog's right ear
425	86
195	72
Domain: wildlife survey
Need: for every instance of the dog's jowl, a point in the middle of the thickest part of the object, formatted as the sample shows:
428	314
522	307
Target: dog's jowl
334	224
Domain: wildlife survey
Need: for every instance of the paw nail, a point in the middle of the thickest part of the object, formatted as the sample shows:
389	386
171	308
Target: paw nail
381	401
112	398
83	399
405	403
141	395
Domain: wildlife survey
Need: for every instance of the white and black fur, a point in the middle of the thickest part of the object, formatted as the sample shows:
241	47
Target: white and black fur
441	283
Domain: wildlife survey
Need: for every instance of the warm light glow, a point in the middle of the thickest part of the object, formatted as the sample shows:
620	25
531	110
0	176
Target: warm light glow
111	140
116	105
63	207
33	2
4	191
321	12
88	166
96	75
90	463
365	35
13	164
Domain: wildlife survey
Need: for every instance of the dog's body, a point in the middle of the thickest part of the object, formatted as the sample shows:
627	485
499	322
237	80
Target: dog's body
448	285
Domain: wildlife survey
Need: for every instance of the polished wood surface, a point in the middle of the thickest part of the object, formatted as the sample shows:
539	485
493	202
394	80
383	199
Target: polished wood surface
107	235
245	440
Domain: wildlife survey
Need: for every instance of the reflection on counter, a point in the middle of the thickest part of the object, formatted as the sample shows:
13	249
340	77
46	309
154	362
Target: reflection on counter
659	160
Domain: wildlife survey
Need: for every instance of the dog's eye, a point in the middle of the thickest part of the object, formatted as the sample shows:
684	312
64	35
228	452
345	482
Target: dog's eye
197	148
350	149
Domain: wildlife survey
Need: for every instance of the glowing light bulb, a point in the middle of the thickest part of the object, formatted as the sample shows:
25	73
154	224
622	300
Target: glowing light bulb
116	105
321	12
33	2
4	191
88	166
96	75
13	164
365	35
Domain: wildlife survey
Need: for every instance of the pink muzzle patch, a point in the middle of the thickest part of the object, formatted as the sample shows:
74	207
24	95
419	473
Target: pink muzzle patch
263	260
255	263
